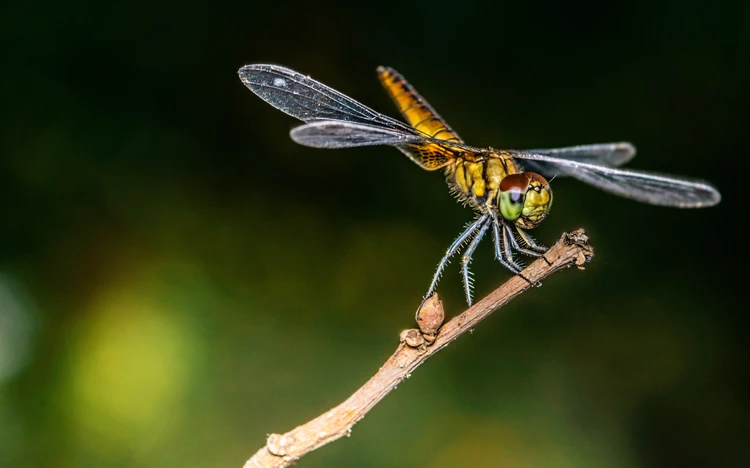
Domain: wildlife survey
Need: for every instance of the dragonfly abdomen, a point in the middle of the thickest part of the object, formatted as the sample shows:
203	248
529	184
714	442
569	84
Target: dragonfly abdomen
476	182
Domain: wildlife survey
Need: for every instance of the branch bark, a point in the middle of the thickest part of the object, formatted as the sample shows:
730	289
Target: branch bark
415	347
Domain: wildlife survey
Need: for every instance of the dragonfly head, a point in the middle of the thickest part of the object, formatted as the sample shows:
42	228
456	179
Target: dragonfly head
524	198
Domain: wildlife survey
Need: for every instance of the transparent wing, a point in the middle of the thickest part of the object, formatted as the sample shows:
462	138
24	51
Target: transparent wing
656	189
338	134
428	153
308	100
603	154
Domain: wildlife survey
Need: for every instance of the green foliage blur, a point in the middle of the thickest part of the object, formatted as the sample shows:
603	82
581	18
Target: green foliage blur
178	279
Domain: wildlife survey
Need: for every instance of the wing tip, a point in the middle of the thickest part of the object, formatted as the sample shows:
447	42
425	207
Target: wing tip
626	147
252	67
710	197
714	197
247	70
297	135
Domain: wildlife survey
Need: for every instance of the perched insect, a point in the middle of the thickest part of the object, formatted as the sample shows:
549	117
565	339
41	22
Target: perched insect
507	199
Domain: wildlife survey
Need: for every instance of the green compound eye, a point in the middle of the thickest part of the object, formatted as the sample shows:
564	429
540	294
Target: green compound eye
512	194
525	198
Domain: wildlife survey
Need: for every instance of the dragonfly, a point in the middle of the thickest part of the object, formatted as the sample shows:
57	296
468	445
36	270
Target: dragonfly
507	189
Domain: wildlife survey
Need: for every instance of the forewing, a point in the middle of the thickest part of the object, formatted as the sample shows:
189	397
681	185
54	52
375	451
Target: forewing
656	189
309	100
338	134
335	120
415	109
601	154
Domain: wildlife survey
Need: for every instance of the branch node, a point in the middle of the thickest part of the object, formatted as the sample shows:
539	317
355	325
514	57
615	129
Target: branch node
412	338
277	444
430	317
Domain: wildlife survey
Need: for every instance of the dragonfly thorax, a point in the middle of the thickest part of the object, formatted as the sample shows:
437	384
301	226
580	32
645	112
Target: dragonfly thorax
494	184
475	179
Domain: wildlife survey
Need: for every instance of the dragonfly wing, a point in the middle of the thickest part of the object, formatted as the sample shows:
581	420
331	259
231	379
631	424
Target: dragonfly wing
335	120
429	154
309	100
415	109
432	155
647	187
338	134
604	154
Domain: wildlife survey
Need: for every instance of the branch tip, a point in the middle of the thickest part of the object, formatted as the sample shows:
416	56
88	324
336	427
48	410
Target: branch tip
579	239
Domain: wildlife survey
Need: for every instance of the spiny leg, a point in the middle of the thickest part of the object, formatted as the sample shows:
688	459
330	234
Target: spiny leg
526	237
452	250
515	244
466	259
499	253
507	240
507	249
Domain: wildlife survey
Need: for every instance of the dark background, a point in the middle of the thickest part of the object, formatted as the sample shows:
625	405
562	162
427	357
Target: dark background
178	279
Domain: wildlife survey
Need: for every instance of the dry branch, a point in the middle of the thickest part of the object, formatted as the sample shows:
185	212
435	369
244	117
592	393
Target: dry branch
416	346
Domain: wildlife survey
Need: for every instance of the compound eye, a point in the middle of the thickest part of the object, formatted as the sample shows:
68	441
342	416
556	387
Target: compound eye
537	202
512	194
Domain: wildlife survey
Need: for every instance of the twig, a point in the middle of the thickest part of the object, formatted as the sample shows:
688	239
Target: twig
416	346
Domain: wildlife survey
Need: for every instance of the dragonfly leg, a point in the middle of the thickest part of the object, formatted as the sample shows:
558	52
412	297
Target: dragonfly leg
526	237
508	240
516	245
499	240
466	259
528	240
455	246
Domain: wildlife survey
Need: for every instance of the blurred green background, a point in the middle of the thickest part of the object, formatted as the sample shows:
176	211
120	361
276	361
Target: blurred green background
178	279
